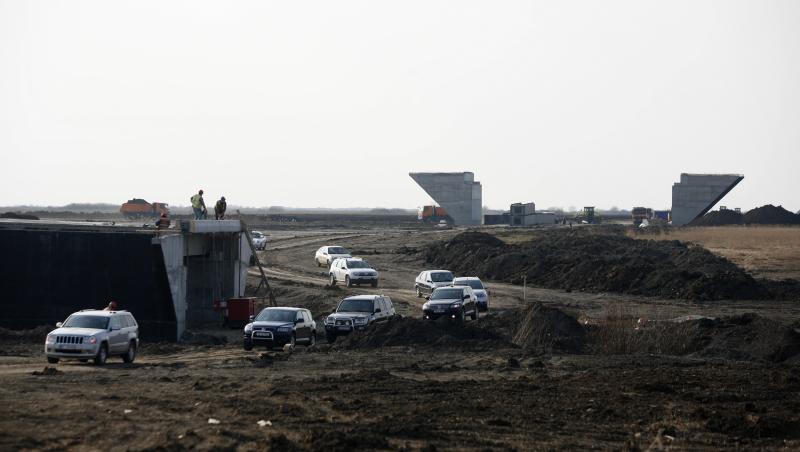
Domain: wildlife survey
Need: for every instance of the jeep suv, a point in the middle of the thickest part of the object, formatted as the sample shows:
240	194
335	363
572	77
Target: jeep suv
429	280
353	271
276	327
356	313
259	240
94	334
454	302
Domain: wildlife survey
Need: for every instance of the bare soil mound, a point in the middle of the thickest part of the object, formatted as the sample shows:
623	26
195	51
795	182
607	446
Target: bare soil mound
770	214
745	337
440	333
37	334
719	218
543	328
599	263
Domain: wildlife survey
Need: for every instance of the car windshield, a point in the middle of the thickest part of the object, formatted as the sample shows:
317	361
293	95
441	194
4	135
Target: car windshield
337	250
96	322
276	315
474	283
355	305
446	294
358	264
441	276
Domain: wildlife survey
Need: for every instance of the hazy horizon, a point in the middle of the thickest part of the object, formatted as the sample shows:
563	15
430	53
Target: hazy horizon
325	104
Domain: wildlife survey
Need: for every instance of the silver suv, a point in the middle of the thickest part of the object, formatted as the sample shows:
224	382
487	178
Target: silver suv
356	313
94	334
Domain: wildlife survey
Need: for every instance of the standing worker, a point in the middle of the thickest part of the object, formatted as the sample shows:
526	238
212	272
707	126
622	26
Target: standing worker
199	206
219	209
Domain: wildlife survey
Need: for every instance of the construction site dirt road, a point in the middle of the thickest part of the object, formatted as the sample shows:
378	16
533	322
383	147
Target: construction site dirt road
505	381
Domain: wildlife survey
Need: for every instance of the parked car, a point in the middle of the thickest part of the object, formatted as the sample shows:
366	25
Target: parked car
481	291
353	271
276	327
429	280
327	254
455	302
356	313
259	240
94	334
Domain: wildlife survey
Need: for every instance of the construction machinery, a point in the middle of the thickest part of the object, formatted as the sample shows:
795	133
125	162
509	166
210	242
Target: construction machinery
639	214
139	208
587	216
433	214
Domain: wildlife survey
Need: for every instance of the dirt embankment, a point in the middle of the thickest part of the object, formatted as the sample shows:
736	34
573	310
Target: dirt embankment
573	260
766	215
770	214
540	329
441	333
719	218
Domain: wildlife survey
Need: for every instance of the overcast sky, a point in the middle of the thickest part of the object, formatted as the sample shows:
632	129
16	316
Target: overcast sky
332	104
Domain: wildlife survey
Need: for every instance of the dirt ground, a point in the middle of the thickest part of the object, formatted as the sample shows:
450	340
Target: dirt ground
453	394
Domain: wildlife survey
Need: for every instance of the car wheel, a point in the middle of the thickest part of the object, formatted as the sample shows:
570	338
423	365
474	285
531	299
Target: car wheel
463	316
248	344
313	340
102	355
292	342
333	280
347	281
474	315
131	354
52	360
331	338
317	261
374	284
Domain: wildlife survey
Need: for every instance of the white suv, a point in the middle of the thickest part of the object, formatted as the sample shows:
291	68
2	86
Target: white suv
259	240
327	254
353	271
94	334
429	280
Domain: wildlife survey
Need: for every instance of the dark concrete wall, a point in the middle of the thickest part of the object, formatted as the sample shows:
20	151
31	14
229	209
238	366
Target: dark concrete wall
209	278
46	275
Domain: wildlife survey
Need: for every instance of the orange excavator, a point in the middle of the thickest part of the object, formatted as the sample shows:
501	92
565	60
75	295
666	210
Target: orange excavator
139	208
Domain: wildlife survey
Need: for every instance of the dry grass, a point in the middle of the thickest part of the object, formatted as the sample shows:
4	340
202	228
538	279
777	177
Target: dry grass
619	332
769	252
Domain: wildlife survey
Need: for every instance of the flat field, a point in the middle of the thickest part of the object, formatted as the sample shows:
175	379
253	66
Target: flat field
765	251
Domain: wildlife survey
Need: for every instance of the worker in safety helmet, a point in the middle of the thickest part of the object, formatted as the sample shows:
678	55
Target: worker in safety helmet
219	209
112	306
163	221
199	206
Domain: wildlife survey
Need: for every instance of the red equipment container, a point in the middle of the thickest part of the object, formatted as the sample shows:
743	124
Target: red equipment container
239	311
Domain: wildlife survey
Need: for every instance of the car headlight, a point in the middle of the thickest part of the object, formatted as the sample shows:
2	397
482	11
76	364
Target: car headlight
455	305
360	321
91	340
284	329
328	321
248	328
51	339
